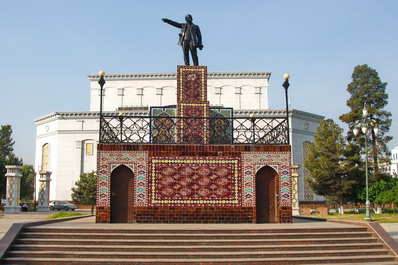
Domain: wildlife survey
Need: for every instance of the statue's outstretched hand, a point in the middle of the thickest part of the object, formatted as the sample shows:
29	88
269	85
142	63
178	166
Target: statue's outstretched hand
165	20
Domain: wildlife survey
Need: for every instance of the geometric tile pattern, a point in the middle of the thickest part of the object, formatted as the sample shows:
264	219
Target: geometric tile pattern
254	161
163	129
192	129
221	125
109	160
192	181
191	83
192	104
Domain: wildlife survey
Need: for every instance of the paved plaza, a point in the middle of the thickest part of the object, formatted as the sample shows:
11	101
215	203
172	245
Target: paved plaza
7	220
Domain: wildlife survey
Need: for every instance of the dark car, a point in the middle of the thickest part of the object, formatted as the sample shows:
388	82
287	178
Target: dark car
62	205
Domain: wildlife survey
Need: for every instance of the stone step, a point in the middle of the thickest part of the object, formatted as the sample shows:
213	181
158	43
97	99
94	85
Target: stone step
196	236
381	260
188	248
198	255
194	231
193	242
41	245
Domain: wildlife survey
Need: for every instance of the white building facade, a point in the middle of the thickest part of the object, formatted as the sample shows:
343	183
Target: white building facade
66	142
394	162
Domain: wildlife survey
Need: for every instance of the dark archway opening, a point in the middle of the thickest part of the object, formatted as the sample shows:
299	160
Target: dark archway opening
122	195
266	199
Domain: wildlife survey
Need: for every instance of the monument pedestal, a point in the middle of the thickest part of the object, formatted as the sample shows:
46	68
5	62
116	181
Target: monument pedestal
192	105
192	172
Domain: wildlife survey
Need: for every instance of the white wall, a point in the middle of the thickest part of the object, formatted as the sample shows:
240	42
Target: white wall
238	90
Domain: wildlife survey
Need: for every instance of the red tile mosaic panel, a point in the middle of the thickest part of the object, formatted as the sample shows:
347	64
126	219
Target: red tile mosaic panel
189	181
191	83
194	130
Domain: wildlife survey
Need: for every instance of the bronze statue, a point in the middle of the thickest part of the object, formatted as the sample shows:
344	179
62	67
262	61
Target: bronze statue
190	38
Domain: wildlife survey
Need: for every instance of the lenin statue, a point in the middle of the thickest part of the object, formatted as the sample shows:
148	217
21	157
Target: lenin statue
190	38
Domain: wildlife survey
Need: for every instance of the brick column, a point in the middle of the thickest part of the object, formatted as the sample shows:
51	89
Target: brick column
44	191
13	176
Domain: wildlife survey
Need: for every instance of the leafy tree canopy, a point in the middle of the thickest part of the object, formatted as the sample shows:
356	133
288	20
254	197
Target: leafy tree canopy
86	189
27	183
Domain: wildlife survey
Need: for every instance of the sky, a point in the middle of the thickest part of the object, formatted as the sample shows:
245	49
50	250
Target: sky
47	49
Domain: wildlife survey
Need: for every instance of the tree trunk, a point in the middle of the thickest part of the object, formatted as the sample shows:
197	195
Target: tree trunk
341	202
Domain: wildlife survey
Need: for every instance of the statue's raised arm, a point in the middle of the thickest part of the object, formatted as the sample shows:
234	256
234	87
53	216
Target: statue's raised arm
190	38
171	22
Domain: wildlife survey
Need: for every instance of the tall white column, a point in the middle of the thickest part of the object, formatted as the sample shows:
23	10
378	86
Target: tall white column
44	191
13	176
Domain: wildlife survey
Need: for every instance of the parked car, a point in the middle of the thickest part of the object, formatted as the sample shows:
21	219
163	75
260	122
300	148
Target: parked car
62	205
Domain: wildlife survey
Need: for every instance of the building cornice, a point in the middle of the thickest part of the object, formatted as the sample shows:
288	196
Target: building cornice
84	115
244	113
307	115
173	76
280	113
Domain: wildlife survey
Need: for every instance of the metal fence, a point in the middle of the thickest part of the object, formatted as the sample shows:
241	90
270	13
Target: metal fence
193	130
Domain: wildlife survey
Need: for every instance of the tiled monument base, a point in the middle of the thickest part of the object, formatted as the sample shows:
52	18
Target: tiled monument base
193	183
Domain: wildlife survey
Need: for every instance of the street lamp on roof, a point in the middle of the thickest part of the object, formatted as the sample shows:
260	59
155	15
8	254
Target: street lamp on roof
101	82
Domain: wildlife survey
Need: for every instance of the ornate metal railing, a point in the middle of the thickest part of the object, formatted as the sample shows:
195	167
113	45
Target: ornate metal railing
193	130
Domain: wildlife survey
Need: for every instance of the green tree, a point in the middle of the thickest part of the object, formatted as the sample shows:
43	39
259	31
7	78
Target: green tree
382	191
7	157
367	90
327	164
27	183
388	196
86	190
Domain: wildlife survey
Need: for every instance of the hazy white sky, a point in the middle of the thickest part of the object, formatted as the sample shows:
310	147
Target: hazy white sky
47	48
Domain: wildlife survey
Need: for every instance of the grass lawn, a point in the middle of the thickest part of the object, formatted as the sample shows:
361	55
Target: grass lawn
62	215
378	218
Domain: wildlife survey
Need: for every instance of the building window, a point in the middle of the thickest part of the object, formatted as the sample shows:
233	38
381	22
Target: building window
159	91
120	91
45	160
89	148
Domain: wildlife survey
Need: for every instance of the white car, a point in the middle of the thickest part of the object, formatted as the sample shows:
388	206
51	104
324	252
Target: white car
62	205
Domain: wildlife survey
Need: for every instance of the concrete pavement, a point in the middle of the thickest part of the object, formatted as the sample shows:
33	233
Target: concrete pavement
7	220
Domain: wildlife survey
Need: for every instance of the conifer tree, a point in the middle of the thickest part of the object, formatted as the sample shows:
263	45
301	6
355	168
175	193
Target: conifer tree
368	91
327	164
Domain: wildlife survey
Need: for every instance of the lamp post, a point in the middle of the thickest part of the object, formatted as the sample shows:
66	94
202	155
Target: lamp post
253	120
366	126
286	86
101	82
